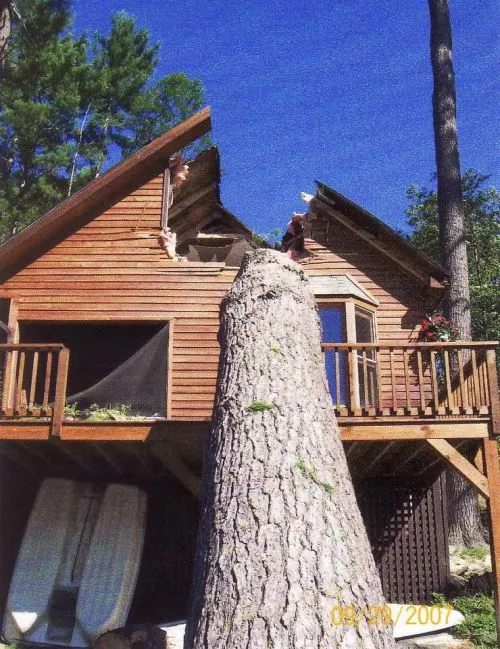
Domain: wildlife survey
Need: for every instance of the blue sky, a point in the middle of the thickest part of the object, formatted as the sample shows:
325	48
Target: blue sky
337	90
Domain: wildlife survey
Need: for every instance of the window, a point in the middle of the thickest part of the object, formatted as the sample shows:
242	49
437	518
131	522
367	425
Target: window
352	377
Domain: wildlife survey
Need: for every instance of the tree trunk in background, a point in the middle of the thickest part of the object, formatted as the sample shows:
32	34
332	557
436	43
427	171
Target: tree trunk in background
281	539
464	518
5	26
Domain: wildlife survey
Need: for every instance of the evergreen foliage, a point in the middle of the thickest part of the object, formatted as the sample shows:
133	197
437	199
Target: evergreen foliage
69	106
482	222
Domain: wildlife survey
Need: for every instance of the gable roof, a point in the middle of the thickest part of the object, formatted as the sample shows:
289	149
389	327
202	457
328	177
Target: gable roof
380	235
82	206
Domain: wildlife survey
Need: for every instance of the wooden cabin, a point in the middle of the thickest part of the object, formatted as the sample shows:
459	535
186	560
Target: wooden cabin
89	286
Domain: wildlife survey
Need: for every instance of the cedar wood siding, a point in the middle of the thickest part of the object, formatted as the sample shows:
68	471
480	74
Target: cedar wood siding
113	269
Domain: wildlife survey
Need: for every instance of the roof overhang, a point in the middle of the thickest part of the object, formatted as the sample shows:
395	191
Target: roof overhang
378	234
332	286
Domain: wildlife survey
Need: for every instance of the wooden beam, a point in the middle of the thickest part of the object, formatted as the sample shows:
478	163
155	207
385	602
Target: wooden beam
109	431
171	459
490	454
409	432
429	465
24	430
461	464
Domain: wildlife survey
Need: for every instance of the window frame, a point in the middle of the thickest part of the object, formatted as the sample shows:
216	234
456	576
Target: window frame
352	307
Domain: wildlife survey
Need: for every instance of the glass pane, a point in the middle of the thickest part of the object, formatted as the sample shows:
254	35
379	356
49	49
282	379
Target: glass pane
367	375
368	390
364	327
332	321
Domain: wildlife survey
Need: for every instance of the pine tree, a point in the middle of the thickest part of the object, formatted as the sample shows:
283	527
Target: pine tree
69	107
465	520
482	225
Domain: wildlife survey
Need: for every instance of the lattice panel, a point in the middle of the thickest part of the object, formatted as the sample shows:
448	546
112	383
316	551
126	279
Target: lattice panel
407	526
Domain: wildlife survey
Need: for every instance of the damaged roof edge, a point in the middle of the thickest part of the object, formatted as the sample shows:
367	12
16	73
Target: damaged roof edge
149	161
376	227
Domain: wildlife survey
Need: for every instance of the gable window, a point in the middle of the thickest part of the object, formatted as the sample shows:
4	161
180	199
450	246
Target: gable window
348	316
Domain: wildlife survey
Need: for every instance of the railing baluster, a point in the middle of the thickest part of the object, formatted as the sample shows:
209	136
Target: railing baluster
365	380
19	383
421	380
34	376
475	375
407	381
354	381
46	387
379	381
438	409
10	371
7	365
429	406
393	380
337	378
463	387
485	402
447	378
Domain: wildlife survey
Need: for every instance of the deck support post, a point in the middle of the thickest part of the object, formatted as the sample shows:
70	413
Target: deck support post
493	475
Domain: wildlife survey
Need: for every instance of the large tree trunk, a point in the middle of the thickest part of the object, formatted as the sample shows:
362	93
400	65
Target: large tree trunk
281	540
464	518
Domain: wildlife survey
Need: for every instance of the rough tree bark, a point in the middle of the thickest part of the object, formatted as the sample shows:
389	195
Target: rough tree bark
5	27
464	517
281	540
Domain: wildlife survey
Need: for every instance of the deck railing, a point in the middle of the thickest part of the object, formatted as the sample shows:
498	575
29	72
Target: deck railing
33	382
413	379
